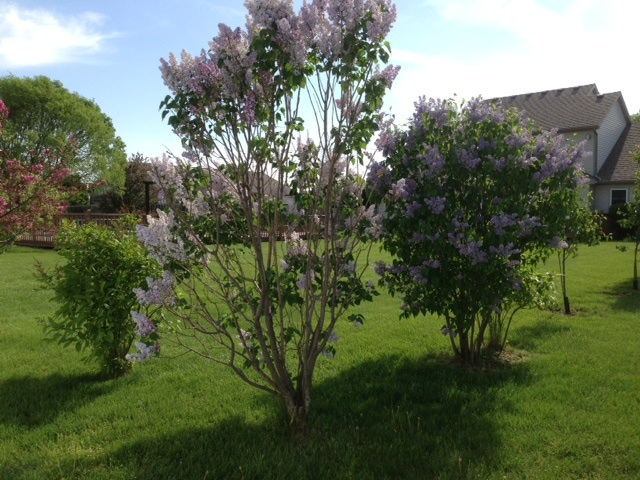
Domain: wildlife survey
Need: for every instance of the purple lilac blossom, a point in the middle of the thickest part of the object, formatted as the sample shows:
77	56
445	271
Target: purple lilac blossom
557	242
432	263
159	240
436	204
469	159
145	326
379	177
333	337
417	275
410	209
473	250
388	75
417	237
480	111
527	224
159	292
437	110
145	352
432	159
305	282
502	221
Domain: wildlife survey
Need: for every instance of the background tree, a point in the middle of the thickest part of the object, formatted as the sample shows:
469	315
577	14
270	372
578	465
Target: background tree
588	233
635	118
474	200
630	220
266	310
94	312
30	195
133	197
44	116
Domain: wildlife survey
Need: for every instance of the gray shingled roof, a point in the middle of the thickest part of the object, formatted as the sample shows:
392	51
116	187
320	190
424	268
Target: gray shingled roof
619	166
567	109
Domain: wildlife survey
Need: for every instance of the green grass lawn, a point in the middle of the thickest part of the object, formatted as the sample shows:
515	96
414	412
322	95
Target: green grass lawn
389	405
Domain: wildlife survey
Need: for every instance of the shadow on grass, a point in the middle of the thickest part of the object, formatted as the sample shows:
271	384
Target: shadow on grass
529	337
623	296
32	401
389	418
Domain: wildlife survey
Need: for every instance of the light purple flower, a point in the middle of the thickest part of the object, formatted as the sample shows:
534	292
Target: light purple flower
145	352
333	337
305	282
557	242
436	204
159	292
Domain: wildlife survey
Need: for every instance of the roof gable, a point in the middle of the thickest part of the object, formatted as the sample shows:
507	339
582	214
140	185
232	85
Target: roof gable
566	109
619	166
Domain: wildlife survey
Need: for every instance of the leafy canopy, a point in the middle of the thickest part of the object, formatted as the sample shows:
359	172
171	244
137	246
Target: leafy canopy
45	116
474	199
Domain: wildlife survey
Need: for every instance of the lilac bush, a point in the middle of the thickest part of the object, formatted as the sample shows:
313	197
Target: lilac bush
254	172
474	199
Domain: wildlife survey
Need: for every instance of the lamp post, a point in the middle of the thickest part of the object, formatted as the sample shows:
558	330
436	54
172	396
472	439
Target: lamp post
147	187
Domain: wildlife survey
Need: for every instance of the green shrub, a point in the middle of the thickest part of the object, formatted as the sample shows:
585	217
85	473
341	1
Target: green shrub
95	291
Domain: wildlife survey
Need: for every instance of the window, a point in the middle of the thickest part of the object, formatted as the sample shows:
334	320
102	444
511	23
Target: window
618	196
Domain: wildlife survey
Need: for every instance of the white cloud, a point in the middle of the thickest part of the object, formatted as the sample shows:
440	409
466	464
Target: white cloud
540	45
39	37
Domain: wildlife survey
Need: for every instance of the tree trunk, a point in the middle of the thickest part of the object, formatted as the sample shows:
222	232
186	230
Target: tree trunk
298	405
466	351
567	305
635	267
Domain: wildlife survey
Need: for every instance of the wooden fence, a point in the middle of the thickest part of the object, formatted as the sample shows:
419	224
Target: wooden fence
45	238
42	238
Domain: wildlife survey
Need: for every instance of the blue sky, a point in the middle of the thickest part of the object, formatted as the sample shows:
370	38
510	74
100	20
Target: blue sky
109	50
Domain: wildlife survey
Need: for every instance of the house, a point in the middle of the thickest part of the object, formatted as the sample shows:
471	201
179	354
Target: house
603	121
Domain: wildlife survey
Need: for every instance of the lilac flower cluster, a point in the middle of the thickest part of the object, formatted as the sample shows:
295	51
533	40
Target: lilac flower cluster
410	209
432	159
417	275
386	140
480	111
437	110
158	238
166	175
559	158
473	250
297	246
417	237
403	189
507	252
469	159
145	352
517	139
379	177
159	292
502	221
387	75
436	204
145	326
432	263
305	282
245	339
558	243
527	224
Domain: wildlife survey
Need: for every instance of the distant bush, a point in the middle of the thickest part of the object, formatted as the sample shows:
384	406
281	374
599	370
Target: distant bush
95	289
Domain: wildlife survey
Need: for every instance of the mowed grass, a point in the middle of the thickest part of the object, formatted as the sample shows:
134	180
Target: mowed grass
389	405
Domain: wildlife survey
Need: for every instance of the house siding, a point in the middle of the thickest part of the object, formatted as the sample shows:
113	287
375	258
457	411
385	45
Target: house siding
589	137
610	130
602	195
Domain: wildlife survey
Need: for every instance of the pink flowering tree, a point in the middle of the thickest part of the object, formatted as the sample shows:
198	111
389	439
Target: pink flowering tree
474	201
30	194
255	173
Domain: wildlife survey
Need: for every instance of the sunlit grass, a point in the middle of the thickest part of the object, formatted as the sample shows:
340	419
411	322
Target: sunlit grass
389	405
